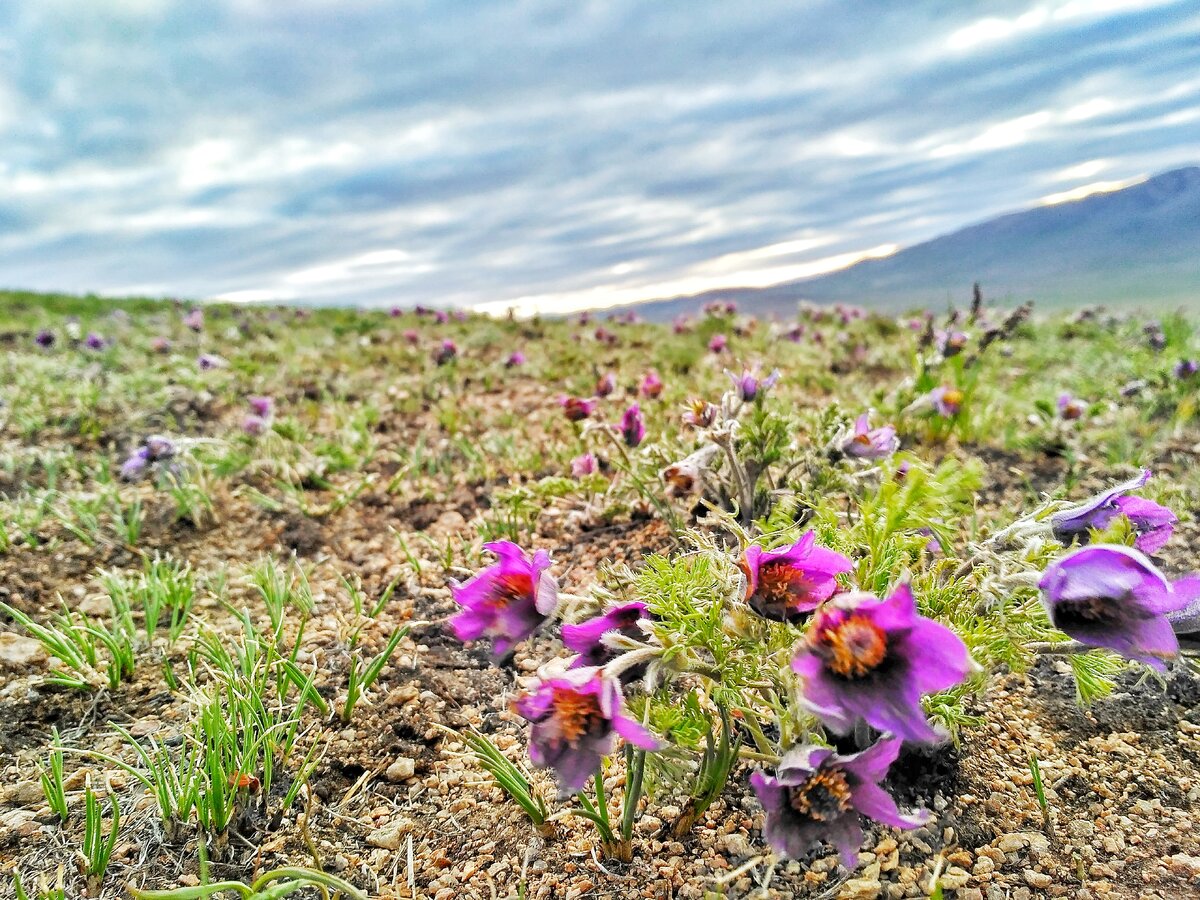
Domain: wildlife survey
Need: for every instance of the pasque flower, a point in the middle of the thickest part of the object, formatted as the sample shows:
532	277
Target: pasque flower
587	638
1153	523
94	341
633	426
817	794
652	385
584	464
871	660
787	584
194	320
718	343
1070	407
44	338
946	400
749	385
446	352
576	409
1113	596
1186	368
575	719
155	448
515	359
870	443
700	414
606	384
507	601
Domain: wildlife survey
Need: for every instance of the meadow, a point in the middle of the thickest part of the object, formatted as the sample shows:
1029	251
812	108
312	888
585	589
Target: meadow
403	603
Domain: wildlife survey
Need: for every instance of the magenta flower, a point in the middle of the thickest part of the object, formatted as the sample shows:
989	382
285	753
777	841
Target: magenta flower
946	400
633	426
868	443
583	465
412	335
94	341
871	660
681	324
718	343
817	794
507	601
262	406
575	719
576	409
652	385
1113	596
1069	407
1153	523
395	312
748	385
446	352
254	425
587	638
440	316
44	338
606	384
160	344
515	359
194	320
787	584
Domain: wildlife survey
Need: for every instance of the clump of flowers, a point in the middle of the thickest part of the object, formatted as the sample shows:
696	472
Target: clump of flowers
507	601
1153	523
259	418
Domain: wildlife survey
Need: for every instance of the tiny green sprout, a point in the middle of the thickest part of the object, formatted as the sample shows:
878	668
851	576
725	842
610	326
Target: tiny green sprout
269	886
98	846
362	677
508	775
1039	790
51	778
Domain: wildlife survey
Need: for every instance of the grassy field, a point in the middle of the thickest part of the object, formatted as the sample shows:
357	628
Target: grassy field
233	540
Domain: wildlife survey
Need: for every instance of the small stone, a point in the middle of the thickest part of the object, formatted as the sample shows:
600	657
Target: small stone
19	653
390	836
1182	864
954	877
401	770
1037	879
860	889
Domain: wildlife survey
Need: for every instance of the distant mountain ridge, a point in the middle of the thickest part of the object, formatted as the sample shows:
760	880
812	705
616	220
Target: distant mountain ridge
1140	244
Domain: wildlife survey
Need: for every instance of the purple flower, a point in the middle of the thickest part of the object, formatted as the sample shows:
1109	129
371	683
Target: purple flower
1186	368
681	324
44	338
868	443
946	400
137	463
508	600
94	341
446	352
576	409
794	334
262	406
412	335
583	465
587	638
1153	523
748	385
871	660
718	343
515	359
1069	407
787	584
254	425
651	385
160	345
440	317
209	361
395	312
633	426
606	384
1113	596
576	718
700	414
951	343
817	794
194	320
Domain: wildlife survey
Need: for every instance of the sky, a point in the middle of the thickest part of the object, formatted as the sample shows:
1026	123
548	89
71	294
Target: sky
555	156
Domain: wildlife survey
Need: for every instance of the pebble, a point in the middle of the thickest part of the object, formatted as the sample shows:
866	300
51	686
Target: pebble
390	836
401	770
19	653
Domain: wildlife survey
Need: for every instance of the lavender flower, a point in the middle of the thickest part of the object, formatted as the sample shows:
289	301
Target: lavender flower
94	341
606	384
652	385
587	638
1153	523
868	443
748	385
576	409
44	338
817	794
254	425
576	718
209	361
951	343
946	400
508	600
870	659
633	426
787	584
718	343
395	312
135	466
1069	407
160	344
194	320
446	352
1186	368
1113	596
583	465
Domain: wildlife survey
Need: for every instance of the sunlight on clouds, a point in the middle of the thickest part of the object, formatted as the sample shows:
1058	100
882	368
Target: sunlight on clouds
993	29
1086	190
1082	170
394	262
606	296
995	137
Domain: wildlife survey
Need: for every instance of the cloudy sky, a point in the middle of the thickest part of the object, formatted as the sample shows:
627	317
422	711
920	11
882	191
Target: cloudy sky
554	155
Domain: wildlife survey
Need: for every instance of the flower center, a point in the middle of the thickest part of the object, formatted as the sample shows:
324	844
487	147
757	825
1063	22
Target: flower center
1088	612
952	398
853	647
575	713
823	797
510	588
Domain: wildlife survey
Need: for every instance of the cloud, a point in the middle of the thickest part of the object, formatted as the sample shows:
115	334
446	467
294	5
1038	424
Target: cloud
467	152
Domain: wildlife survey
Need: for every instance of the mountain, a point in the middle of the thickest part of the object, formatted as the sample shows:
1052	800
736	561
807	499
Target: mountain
1140	245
